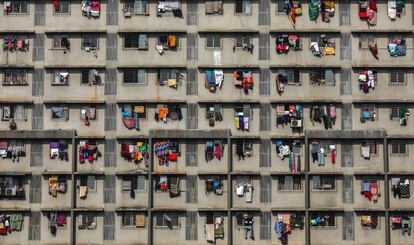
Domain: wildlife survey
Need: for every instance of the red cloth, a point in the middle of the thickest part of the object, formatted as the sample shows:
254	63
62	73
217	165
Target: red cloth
56	3
373	5
333	156
172	157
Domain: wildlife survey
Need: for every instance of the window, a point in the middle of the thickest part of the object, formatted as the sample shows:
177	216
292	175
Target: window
63	7
168	41
289	183
90	41
213	41
167	220
323	182
133	76
397	78
15	77
127	111
60	112
165	74
323	219
16	7
136	41
138	7
214	7
16	112
398	148
136	182
280	7
242	41
88	113
369	149
322	77
88	219
366	40
243	7
60	77
289	76
88	181
368	112
91	77
398	112
61	42
133	219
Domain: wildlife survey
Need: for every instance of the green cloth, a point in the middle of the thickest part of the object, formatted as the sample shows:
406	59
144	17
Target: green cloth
314	9
16	222
400	3
402	111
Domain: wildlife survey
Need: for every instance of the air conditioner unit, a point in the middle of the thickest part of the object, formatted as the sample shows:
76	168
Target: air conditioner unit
296	123
10	192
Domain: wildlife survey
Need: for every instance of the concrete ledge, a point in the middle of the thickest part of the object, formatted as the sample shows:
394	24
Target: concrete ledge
401	173
131	137
383	101
21	31
155	67
159	101
224	31
287	209
276	173
168	209
218	101
230	66
326	173
23	66
74	66
169	173
385	31
59	209
211	209
56	172
248	209
91	209
90	173
245	173
16	101
212	173
345	134
131	209
369	209
37	134
92	30
14	173
138	30
307	30
309	101
383	65
401	209
394	136
327	209
305	66
190	134
245	137
133	172
15	209
368	173
278	136
91	101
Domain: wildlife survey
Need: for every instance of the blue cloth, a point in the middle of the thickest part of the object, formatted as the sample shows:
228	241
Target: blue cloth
366	187
211	79
279	229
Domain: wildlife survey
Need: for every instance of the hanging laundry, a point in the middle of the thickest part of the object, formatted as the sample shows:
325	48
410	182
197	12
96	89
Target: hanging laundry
167	151
214	185
292	10
135	152
164	112
242	117
244	80
88	150
214	79
366	80
286	42
214	149
213	114
397	47
289	114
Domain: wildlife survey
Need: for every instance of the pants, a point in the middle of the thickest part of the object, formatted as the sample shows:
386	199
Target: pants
248	230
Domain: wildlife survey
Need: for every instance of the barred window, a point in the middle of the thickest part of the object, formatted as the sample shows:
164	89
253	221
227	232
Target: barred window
17	7
88	219
213	41
241	41
63	7
16	112
243	7
398	148
14	77
138	7
133	76
323	182
136	40
289	183
90	41
397	77
367	40
167	220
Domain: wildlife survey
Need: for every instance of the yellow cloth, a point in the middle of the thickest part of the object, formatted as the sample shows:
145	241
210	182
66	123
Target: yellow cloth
236	121
329	51
83	191
172	82
140	220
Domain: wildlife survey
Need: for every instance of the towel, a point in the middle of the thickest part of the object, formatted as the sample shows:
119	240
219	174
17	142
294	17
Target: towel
209	232
374	191
249	193
365	151
240	190
83	191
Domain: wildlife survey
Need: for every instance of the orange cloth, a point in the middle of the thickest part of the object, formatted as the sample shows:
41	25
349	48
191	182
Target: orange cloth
172	41
163	113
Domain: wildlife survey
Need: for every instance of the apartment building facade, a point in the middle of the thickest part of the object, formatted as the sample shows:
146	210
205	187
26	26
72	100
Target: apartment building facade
201	121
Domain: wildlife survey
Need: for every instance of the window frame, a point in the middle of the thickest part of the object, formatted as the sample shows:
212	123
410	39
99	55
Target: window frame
134	182
372	144
87	179
214	41
296	180
21	3
93	37
134	76
400	145
365	40
245	39
66	109
291	73
61	3
134	36
56	73
88	218
165	44
13	113
331	216
321	75
55	41
130	5
280	9
20	74
175	217
371	108
244	10
398	77
88	107
326	179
